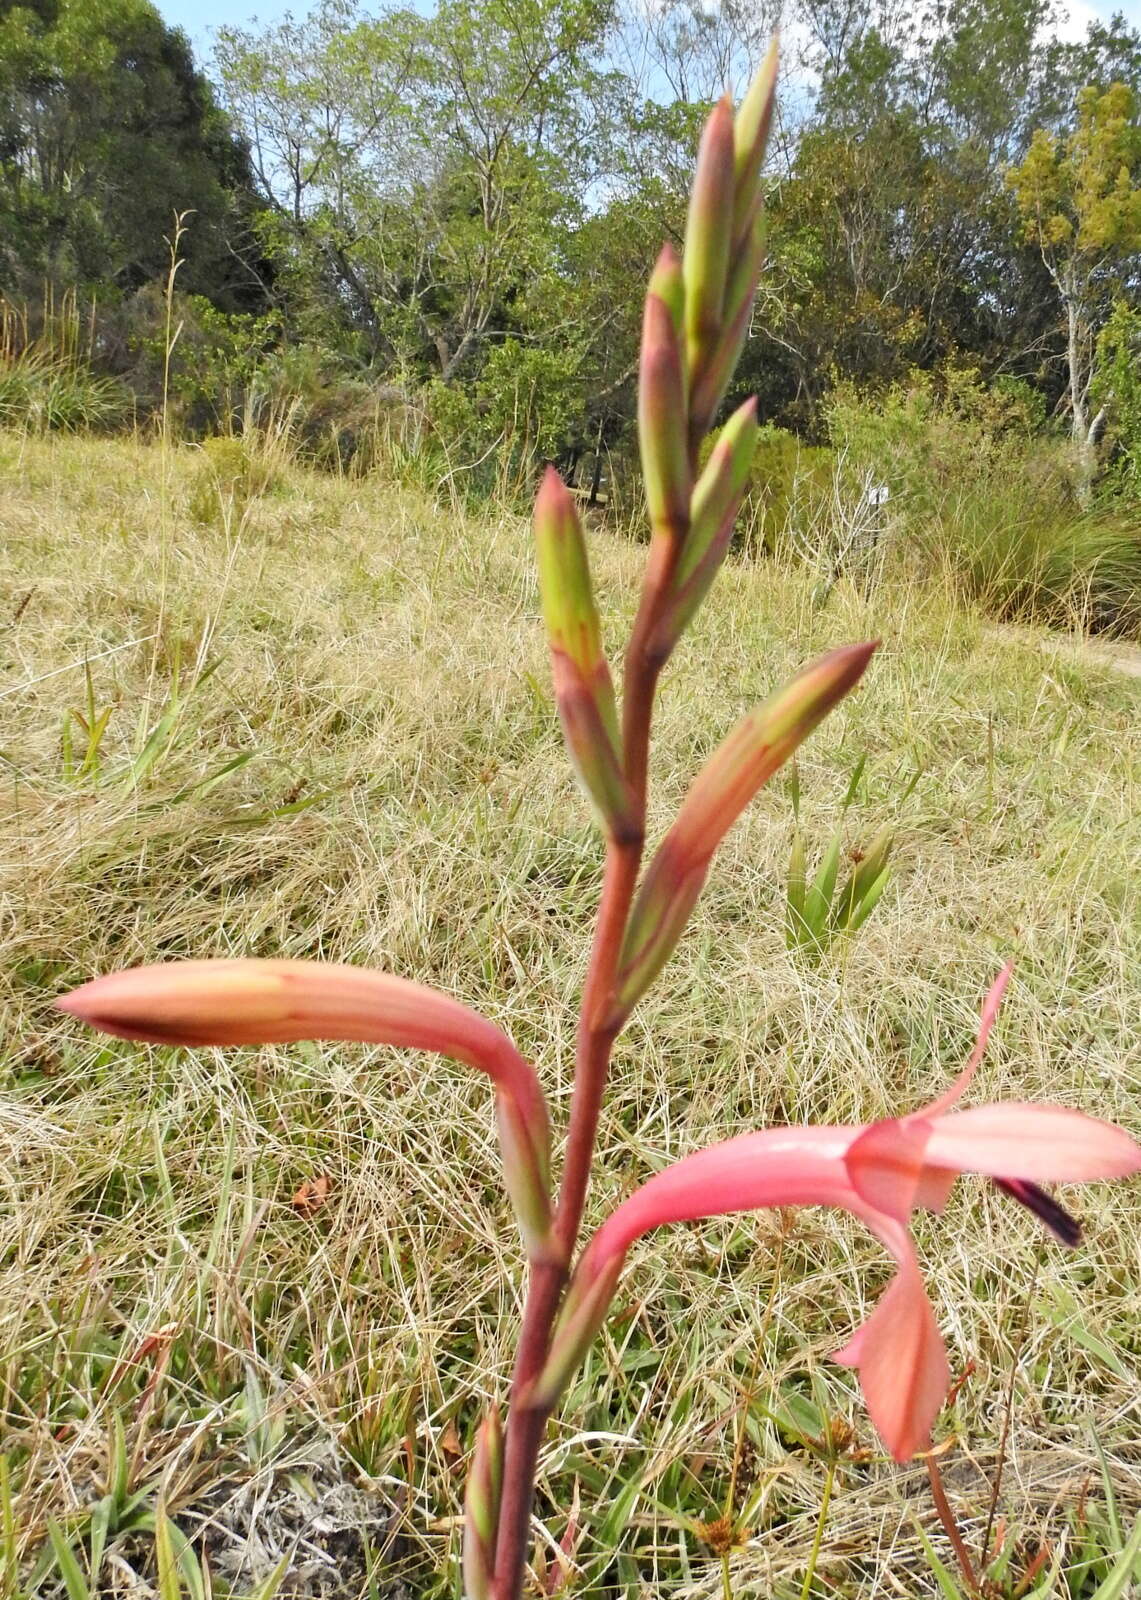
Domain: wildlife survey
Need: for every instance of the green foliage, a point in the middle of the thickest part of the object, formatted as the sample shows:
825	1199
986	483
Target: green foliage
1117	387
820	911
46	393
1078	197
790	489
46	380
1079	203
416	231
217	361
106	130
530	398
233	472
975	491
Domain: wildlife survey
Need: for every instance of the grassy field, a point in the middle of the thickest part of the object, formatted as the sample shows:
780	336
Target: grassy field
324	728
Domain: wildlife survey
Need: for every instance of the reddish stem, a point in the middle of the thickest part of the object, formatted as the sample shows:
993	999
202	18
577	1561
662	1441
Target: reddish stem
598	1027
950	1526
597	1032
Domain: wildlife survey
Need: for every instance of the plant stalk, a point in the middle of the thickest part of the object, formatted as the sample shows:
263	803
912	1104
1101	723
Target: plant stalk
598	1028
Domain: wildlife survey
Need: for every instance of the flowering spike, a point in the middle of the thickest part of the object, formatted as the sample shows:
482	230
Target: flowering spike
481	1508
709	235
277	1002
751	137
662	408
584	691
757	747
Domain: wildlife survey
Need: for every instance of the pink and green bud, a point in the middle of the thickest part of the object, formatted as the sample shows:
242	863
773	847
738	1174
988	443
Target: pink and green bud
662	417
759	745
750	140
247	1002
584	691
582	1315
481	1508
709	236
713	514
667	282
711	381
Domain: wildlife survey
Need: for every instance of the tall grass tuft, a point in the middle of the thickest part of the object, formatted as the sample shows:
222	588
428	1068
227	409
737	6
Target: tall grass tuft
978	492
47	384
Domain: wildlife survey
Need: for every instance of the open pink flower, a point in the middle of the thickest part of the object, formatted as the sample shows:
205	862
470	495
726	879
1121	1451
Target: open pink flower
880	1173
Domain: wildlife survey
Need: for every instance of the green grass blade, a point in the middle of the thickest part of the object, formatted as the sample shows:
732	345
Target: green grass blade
818	900
102	1514
69	1569
9	1565
868	904
169	1583
157	742
270	1585
948	1585
854	783
797	883
1127	1567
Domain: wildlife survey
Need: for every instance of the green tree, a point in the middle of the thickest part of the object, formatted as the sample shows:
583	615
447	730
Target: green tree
421	168
1079	199
106	130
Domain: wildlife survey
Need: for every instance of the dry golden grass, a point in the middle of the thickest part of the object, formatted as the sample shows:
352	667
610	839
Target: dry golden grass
174	1334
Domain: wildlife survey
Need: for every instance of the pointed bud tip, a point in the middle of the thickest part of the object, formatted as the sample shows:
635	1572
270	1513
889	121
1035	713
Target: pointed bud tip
88	1003
553	492
848	662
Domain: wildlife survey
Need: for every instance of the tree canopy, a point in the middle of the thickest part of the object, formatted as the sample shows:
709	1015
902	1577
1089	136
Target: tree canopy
464	198
107	129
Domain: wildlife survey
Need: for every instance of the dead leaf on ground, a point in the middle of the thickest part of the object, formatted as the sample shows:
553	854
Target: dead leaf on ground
311	1196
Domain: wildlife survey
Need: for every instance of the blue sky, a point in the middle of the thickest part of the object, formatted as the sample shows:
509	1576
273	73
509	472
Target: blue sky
201	17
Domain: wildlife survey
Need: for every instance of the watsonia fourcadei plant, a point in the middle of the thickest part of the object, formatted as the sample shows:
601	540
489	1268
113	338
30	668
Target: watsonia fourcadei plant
696	316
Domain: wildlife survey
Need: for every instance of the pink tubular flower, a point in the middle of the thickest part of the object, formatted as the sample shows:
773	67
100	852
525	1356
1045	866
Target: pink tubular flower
880	1173
275	1002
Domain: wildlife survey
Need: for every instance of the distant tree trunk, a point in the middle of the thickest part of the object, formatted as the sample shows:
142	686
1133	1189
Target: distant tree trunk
596	480
1085	431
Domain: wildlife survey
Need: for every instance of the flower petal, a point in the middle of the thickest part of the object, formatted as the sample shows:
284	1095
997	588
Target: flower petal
775	1167
900	1356
1044	1144
987	1020
885	1163
275	1002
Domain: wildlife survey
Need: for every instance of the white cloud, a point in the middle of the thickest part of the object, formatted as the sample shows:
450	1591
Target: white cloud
1074	21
